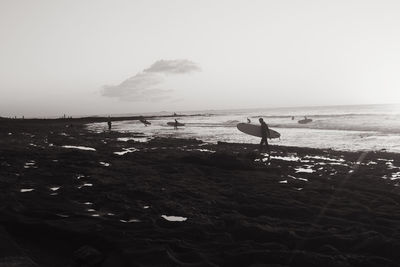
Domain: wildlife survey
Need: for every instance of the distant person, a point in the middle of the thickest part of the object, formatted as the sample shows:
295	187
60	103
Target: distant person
264	137
248	120
174	114
176	124
305	117
292	117
109	123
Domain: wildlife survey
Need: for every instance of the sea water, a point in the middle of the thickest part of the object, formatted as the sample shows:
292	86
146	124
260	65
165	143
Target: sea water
352	128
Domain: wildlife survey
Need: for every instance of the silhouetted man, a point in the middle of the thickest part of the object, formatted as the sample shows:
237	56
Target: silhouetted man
176	124
264	136
109	123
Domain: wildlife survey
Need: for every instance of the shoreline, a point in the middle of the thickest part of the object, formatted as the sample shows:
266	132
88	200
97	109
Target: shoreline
182	202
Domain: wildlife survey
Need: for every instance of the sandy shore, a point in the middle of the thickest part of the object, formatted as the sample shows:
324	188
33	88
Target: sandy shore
76	198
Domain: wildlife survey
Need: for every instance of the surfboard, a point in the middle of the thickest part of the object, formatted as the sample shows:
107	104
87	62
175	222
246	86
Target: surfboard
304	121
255	130
171	123
145	122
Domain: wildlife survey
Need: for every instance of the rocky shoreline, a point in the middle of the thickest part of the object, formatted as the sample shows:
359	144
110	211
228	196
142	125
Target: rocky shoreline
71	197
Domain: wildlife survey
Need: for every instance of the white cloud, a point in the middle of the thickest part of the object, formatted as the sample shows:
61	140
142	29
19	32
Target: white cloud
144	86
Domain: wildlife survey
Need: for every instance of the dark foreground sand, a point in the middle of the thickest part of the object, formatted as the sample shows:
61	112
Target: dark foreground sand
97	208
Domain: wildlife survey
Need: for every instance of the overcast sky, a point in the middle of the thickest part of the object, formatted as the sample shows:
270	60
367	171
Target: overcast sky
109	57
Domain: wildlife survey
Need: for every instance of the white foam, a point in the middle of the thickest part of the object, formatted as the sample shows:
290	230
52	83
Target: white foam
174	218
55	188
325	158
105	164
136	139
289	158
80	148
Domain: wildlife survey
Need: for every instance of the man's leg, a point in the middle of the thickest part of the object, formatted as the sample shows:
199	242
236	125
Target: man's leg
269	151
261	145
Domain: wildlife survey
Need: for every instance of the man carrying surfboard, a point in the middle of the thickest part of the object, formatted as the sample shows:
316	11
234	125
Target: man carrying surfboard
264	136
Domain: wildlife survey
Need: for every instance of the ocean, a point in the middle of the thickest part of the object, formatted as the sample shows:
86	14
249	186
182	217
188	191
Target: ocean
348	128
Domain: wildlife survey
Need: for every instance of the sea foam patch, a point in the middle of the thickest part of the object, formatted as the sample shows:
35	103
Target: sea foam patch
286	158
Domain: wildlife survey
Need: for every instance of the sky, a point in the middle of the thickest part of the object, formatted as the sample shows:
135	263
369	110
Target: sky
92	57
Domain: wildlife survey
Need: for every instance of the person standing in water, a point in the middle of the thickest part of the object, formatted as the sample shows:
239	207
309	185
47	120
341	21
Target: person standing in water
176	125
248	120
109	123
264	136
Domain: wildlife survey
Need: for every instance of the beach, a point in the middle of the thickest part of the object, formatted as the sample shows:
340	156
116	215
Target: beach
75	197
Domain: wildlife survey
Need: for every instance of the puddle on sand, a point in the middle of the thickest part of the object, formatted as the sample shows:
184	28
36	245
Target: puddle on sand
85	185
393	176
23	190
198	149
174	218
79	176
80	148
126	150
304	170
30	164
62	215
55	188
130	221
298	178
390	165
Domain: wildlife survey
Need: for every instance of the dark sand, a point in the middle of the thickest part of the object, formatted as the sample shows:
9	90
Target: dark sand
240	212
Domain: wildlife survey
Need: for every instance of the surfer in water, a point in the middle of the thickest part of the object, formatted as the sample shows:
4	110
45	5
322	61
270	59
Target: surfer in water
264	136
248	120
176	125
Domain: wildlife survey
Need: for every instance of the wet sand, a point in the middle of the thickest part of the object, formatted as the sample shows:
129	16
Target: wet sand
71	197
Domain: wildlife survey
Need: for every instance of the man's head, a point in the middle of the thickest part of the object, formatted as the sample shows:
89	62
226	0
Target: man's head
261	120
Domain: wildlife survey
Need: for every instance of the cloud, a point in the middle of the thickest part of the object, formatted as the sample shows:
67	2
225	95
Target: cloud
173	67
144	86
